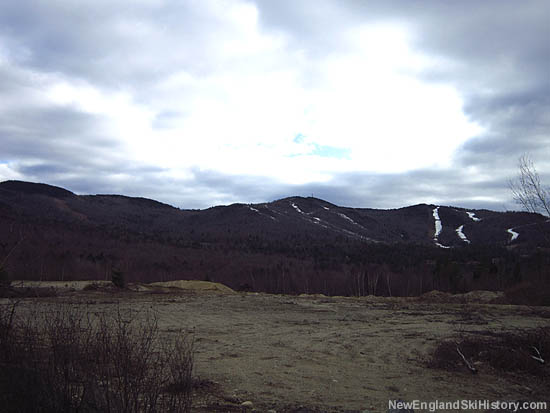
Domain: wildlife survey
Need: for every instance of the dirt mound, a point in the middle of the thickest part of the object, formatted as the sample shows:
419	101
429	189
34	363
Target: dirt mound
485	297
62	285
97	285
479	297
435	296
194	285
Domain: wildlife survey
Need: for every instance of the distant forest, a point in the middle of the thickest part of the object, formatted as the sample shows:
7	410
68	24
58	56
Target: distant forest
298	264
48	233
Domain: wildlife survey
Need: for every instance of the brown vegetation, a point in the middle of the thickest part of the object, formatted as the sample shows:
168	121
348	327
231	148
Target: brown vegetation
322	354
67	360
523	351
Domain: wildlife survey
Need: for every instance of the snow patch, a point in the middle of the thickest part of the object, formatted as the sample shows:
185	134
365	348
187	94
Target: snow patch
513	233
438	228
259	212
307	216
473	217
461	235
324	207
296	207
347	218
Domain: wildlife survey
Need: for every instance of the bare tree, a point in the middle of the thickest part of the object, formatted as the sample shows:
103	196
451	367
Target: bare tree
373	275
528	190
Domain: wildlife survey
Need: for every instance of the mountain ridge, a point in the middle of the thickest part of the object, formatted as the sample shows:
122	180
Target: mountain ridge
295	243
57	191
410	223
43	188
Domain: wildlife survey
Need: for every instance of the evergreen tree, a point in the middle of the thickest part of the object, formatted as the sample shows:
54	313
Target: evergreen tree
5	281
118	278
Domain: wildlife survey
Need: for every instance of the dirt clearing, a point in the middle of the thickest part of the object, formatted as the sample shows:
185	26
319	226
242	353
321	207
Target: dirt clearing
325	354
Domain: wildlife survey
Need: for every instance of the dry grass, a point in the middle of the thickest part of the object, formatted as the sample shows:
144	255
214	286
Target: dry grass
67	360
503	352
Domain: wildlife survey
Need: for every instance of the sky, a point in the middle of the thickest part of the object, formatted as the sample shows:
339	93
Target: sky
196	103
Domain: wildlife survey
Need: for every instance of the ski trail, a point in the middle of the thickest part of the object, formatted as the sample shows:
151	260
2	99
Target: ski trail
296	207
473	217
306	216
260	213
513	233
349	219
461	235
438	228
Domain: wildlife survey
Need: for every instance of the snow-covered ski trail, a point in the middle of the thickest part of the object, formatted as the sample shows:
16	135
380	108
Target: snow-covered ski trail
513	233
438	228
461	235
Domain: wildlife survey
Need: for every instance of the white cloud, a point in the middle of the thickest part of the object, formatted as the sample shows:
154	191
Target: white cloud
7	172
242	118
370	102
226	86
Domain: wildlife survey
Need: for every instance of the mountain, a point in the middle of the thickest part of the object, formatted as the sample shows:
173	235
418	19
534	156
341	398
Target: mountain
295	244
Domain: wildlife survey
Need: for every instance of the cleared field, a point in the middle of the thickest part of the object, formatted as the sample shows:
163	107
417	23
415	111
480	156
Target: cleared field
317	353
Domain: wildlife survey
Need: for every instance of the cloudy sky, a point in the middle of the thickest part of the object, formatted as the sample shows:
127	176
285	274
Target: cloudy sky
197	103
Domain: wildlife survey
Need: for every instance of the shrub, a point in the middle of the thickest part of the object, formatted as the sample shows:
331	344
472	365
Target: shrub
68	361
503	352
94	286
118	278
4	277
5	282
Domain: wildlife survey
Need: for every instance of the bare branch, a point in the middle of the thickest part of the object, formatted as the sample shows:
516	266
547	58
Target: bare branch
538	357
528	190
470	367
10	252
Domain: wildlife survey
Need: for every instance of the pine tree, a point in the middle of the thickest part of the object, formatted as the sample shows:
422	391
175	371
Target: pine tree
118	278
5	281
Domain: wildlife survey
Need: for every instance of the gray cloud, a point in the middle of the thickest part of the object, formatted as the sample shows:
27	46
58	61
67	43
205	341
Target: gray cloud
111	44
350	189
54	136
496	53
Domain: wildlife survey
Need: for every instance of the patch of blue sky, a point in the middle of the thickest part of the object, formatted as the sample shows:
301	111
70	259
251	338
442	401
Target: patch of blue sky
299	138
331	152
324	151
